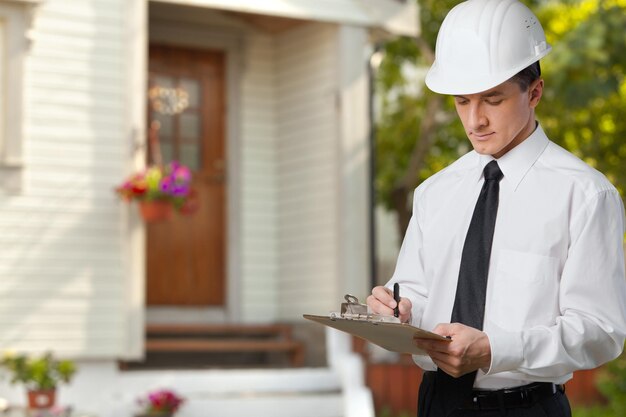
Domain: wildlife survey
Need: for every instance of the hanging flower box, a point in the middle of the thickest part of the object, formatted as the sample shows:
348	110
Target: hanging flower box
155	211
160	190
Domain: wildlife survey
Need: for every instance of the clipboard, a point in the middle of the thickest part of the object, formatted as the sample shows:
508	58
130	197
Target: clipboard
384	331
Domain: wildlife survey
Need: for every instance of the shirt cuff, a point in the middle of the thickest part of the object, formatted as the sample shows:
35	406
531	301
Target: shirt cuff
507	351
424	362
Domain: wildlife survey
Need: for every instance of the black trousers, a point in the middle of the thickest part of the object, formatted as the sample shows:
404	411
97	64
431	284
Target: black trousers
553	406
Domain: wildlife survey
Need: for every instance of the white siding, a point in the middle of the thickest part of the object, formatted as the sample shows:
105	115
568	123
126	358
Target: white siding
307	170
61	266
290	174
259	269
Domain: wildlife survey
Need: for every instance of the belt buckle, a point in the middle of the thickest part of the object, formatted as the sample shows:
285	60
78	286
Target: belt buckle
519	396
530	395
526	396
480	401
476	402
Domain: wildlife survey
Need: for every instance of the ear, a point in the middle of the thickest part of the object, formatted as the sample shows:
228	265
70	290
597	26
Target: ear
535	91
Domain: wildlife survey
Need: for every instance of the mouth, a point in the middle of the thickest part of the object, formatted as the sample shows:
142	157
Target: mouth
482	136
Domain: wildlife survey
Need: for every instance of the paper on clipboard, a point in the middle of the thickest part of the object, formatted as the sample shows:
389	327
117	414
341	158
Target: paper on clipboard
396	337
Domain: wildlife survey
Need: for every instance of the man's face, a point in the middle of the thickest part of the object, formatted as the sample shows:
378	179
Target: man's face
499	119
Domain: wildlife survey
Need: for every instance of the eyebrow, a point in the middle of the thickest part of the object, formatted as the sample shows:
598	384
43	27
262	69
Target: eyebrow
487	95
493	94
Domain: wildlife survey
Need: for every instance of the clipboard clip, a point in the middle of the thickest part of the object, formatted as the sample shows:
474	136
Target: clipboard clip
353	310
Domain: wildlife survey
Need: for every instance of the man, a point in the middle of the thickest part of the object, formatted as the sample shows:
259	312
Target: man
514	252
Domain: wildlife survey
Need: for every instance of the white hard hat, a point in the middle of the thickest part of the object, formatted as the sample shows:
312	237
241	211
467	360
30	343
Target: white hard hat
482	43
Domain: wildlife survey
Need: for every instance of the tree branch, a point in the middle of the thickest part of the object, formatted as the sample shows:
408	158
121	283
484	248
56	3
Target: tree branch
425	50
426	138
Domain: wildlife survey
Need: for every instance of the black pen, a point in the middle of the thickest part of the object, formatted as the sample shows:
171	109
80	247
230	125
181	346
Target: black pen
396	296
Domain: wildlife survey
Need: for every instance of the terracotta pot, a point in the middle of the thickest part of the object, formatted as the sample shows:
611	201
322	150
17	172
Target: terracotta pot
41	398
155	211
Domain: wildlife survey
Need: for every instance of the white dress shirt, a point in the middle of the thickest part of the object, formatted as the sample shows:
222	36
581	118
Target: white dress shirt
556	292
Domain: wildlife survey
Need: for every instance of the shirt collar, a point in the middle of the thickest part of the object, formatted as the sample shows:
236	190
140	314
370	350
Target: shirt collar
516	162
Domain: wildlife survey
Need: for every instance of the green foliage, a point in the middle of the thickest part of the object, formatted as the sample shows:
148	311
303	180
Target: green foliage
612	384
387	412
40	373
402	108
595	411
585	95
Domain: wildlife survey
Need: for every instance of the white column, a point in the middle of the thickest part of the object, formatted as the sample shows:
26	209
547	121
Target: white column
135	242
354	188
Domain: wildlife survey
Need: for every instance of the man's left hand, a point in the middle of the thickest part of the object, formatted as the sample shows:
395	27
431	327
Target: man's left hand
468	351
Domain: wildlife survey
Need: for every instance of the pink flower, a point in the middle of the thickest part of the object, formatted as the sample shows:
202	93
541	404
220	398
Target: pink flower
162	400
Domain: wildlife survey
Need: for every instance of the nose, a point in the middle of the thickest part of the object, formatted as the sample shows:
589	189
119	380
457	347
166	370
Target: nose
477	117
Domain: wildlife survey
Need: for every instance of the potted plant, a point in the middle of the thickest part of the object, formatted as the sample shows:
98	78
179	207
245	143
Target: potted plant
40	375
159	189
161	403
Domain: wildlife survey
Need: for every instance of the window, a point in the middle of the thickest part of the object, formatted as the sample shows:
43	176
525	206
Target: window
15	21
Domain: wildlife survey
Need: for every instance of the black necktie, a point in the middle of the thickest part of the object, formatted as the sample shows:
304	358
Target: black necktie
469	303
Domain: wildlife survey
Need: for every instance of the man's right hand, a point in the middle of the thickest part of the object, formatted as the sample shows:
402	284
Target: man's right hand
381	302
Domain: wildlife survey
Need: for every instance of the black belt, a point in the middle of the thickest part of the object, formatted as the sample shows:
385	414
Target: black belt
523	396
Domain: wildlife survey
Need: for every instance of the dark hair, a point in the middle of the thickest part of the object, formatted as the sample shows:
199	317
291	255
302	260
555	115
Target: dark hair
525	77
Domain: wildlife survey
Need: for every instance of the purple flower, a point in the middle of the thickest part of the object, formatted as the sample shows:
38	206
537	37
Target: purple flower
180	190
166	185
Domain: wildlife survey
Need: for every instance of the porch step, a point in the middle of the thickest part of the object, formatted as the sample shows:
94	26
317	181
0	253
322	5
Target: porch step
303	405
301	392
221	345
218	330
267	393
292	348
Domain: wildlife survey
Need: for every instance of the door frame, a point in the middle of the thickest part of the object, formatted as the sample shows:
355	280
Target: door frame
196	35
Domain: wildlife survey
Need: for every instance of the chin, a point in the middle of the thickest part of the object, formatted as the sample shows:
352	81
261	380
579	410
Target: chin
483	150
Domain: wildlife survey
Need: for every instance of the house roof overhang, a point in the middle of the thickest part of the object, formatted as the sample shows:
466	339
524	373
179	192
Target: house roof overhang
397	17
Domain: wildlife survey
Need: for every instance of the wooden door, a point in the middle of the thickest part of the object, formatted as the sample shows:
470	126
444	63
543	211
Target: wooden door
186	255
